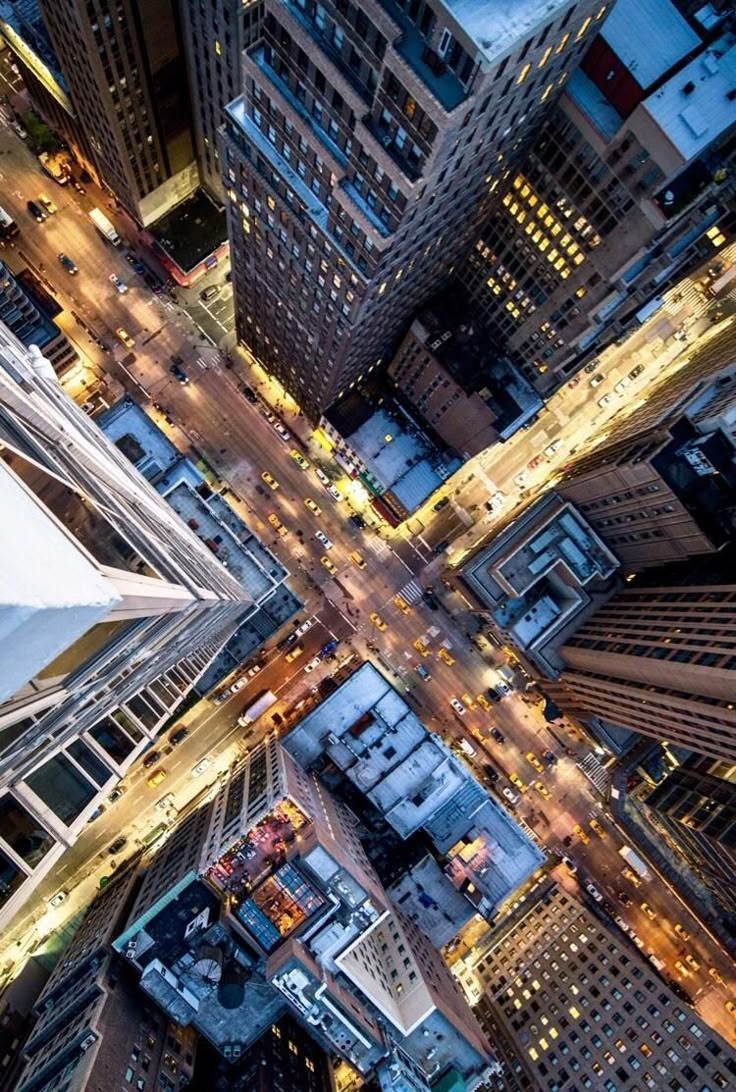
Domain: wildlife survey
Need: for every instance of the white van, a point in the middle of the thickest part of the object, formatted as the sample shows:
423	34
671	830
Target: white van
466	748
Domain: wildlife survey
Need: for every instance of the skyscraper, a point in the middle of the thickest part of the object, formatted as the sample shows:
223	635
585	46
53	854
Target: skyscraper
660	657
124	67
693	810
214	39
292	916
359	159
111	609
662	487
617	198
573	1004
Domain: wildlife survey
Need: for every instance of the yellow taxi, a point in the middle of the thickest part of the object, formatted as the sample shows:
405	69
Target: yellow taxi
276	523
516	780
648	911
122	334
445	655
542	790
468	701
299	459
682	932
730	1006
595	825
532	758
378	622
157	777
483	702
331	568
269	480
402	604
313	506
357	559
421	648
294	654
577	829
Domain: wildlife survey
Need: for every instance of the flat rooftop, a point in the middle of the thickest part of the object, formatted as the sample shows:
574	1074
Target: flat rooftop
497	27
695	107
191	231
194	510
138	437
648	37
566	539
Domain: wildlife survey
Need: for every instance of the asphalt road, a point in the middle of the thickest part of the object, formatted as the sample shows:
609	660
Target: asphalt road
210	413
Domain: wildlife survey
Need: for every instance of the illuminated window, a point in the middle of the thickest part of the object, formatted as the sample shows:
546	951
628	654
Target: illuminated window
382	289
545	57
546	93
218	48
601	13
525	72
584	26
563	42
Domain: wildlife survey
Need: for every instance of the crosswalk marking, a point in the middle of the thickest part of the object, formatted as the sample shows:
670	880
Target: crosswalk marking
597	774
411	592
378	546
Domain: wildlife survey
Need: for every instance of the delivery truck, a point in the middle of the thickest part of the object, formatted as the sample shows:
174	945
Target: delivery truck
104	227
256	709
634	861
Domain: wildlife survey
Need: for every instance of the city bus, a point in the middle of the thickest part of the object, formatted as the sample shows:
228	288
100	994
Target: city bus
8	226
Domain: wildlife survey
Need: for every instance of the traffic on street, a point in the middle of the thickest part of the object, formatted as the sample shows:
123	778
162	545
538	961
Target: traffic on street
368	591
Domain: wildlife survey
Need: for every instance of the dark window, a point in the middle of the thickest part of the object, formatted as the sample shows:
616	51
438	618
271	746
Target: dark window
22	832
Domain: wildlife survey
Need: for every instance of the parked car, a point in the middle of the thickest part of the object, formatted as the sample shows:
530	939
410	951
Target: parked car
510	795
498	735
178	736
57	899
38	214
151	759
209	292
117	845
593	891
